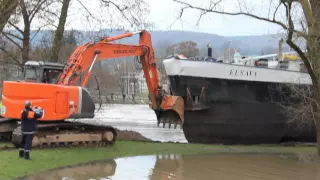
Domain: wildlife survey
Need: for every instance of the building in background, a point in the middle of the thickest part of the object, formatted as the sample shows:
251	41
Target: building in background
135	82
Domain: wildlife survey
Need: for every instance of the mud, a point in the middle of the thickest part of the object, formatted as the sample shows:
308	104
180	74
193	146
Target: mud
125	135
201	167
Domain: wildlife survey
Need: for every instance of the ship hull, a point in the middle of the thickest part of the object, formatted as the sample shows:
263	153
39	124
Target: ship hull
233	111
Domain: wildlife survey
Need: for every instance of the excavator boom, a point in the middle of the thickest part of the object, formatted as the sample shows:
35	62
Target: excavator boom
69	92
84	57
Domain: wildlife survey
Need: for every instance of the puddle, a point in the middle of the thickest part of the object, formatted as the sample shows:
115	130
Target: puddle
189	167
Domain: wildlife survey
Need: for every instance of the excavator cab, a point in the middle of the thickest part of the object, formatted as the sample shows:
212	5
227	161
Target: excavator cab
43	72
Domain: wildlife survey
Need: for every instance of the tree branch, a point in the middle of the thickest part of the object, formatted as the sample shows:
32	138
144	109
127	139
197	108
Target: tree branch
298	49
274	14
38	32
13	35
10	55
86	9
7	7
212	10
24	14
33	10
11	40
36	10
119	8
16	27
52	13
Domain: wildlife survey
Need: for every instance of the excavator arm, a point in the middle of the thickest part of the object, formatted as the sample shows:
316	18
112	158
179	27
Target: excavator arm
169	109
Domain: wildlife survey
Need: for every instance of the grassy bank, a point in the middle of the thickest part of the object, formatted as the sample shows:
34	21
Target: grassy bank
11	166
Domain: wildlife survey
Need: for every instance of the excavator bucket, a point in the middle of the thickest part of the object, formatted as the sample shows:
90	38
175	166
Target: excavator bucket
171	111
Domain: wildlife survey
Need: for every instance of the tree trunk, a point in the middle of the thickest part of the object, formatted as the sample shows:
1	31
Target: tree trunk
59	32
314	56
316	111
26	44
7	7
26	33
318	134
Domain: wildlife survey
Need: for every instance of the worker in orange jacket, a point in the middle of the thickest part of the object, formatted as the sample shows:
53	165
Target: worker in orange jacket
29	118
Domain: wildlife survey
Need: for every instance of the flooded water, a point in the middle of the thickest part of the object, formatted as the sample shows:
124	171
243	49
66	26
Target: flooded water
142	119
189	167
139	118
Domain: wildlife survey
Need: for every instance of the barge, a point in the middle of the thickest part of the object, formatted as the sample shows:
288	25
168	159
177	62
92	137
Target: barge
235	102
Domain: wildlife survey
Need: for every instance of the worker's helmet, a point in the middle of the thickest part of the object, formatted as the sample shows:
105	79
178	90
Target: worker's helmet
28	104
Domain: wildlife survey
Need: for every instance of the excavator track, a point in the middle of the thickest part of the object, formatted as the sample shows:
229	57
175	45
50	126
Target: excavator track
68	134
7	126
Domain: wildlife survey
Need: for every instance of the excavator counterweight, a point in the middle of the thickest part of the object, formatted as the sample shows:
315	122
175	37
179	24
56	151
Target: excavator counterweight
61	92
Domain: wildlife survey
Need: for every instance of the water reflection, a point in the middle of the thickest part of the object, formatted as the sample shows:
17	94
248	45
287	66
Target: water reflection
105	168
187	167
234	166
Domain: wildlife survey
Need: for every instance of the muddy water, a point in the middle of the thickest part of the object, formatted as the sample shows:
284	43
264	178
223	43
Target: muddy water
190	167
139	118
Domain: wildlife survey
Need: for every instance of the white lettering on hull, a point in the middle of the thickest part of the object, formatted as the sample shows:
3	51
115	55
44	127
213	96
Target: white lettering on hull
236	72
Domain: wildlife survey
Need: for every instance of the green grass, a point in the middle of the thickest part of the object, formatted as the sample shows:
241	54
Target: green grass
6	144
0	108
11	166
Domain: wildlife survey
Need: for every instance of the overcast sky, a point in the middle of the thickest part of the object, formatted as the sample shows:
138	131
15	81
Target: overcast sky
164	12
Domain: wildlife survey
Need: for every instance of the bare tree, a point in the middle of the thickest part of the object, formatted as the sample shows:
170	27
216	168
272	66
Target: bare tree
43	49
9	70
68	44
161	48
122	13
29	10
187	48
296	102
161	52
133	12
7	7
306	27
59	31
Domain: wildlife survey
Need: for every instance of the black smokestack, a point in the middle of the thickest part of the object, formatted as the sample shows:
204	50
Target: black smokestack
209	50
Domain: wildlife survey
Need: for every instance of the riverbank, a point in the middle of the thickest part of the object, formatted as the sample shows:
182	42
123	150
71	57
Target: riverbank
118	99
11	166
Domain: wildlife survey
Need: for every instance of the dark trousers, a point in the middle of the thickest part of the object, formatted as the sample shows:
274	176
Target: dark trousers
26	142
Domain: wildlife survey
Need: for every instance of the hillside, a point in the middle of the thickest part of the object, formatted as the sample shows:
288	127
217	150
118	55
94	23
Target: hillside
245	44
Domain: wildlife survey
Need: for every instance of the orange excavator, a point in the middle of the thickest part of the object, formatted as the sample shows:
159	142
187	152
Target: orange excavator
60	91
